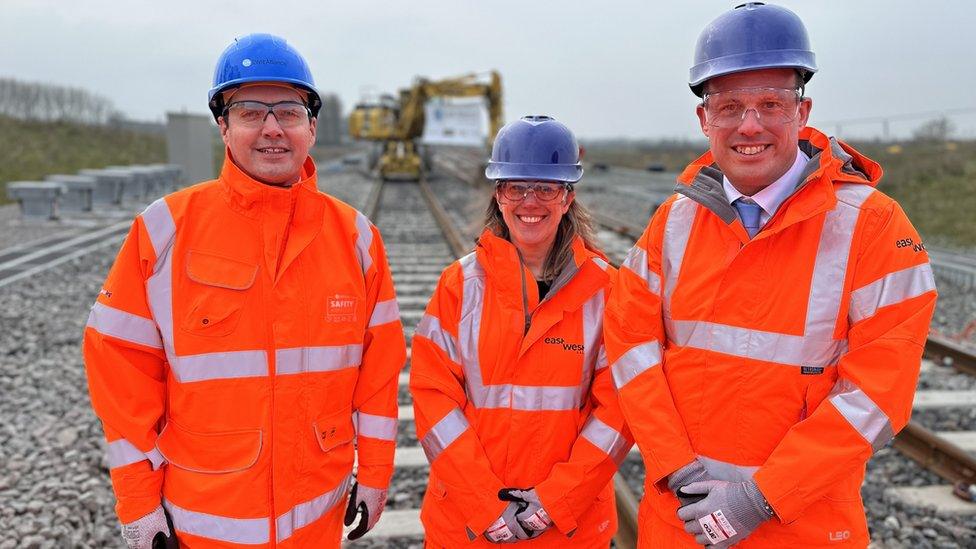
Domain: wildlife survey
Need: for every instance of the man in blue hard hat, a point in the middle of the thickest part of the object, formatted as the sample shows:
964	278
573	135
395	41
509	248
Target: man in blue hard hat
784	323
245	350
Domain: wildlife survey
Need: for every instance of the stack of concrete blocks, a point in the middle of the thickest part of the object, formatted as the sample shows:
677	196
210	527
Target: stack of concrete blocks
108	188
38	199
134	189
79	190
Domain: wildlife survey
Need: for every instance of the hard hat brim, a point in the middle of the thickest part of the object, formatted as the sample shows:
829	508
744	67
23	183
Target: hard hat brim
511	171
802	60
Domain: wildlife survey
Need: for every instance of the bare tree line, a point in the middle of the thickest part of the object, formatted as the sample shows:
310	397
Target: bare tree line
52	103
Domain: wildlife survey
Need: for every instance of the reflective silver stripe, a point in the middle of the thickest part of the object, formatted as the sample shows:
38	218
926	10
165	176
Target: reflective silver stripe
601	359
373	426
384	312
891	289
528	397
634	362
120	453
123	325
606	438
469	332
318	359
677	229
636	262
160	226
364	241
232	530
600	263
430	327
159	287
816	346
862	413
792	350
223	365
443	433
592	339
729	472
310	511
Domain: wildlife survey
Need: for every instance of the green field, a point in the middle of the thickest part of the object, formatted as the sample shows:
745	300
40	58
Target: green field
31	150
935	181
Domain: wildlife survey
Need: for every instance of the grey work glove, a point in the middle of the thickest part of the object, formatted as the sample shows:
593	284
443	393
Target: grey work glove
693	472
727	515
368	501
139	534
506	528
534	517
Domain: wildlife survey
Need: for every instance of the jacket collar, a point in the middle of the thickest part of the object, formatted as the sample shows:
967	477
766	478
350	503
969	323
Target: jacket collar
250	197
831	161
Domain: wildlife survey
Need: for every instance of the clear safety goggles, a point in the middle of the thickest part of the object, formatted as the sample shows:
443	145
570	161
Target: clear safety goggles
252	114
517	191
773	106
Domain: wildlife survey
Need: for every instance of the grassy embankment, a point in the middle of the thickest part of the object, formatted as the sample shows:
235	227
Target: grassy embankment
935	182
29	151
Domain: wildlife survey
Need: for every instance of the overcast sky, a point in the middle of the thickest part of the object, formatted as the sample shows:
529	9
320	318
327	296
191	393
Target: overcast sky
606	69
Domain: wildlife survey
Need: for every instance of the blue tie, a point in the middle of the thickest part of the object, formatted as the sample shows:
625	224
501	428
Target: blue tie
749	214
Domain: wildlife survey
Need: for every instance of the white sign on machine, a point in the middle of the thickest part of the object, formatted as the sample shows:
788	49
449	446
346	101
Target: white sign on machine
455	121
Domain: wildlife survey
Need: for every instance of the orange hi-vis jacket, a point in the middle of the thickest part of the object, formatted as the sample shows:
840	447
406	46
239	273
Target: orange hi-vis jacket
511	392
244	335
788	358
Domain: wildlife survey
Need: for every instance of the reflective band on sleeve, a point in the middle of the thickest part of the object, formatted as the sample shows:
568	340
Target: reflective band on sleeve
231	530
125	326
318	359
224	365
384	312
677	229
636	262
373	426
160	226
592	339
120	453
159	287
430	327
634	362
606	438
862	413
443	433
310	511
364	241
891	289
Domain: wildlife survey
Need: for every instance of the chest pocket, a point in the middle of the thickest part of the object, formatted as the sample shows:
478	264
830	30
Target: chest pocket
216	293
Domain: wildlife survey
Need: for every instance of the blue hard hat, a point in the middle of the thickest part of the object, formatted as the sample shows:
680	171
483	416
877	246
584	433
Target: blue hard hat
261	57
535	148
749	37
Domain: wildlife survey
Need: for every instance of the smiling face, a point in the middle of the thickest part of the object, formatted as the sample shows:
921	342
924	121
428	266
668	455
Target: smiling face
268	153
755	154
531	223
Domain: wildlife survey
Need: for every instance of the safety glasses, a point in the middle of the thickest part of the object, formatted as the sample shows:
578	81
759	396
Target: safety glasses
252	114
516	191
773	106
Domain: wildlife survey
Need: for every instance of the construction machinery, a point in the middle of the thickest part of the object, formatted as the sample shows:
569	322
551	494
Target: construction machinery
396	125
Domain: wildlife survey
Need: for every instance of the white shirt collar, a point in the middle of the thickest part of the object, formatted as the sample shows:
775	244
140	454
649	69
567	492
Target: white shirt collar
770	198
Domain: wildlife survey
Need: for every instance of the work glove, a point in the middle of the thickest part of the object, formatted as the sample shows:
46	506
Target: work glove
142	533
729	512
693	472
368	501
506	528
533	517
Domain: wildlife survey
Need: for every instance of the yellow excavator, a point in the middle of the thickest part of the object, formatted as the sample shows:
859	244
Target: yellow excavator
396	126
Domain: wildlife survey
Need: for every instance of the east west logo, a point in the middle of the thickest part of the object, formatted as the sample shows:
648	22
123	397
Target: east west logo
574	347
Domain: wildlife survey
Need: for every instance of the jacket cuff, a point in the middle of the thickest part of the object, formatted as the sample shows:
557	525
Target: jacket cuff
374	476
787	504
659	471
557	508
137	495
487	513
